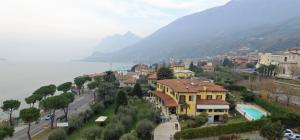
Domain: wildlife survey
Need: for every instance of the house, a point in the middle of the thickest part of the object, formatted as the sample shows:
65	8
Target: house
208	67
127	79
152	79
180	72
142	69
201	97
287	62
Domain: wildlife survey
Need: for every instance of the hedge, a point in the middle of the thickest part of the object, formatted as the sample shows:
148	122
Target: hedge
235	87
202	132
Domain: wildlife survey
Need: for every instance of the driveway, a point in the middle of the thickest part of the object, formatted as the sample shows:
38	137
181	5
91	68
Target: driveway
166	130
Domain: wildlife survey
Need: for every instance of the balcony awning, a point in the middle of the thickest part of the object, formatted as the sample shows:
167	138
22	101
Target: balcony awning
212	104
168	101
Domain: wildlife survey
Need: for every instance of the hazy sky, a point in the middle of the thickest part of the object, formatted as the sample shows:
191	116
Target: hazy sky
62	30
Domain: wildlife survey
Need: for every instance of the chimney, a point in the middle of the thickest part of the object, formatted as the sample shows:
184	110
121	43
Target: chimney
204	88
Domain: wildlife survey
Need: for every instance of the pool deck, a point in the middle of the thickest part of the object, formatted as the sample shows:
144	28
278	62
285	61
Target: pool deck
248	117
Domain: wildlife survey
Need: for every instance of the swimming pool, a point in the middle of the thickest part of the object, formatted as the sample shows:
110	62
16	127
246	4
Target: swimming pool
251	112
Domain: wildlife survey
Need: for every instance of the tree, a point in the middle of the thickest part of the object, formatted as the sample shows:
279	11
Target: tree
128	136
165	73
79	82
92	86
91	133
194	68
109	77
10	106
53	103
144	129
97	107
58	134
65	87
227	63
46	90
29	115
185	106
31	100
121	99
113	131
69	96
6	131
272	131
267	87
137	90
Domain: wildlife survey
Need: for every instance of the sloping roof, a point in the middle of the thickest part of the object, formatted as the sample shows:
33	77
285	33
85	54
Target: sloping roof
212	102
190	85
168	101
152	77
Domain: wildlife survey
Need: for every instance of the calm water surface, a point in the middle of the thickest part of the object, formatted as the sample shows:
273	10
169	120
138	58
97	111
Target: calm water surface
19	80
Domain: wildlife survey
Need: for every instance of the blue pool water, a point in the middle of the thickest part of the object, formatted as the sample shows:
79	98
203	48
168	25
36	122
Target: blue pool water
253	113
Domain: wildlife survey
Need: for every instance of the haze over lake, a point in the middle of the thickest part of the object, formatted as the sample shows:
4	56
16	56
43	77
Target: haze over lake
20	79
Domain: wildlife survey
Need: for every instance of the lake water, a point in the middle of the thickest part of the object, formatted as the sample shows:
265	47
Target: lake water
19	80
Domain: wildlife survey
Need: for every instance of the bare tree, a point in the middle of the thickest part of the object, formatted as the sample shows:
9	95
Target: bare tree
267	88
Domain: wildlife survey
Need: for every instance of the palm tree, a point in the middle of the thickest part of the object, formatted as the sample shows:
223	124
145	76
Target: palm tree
185	106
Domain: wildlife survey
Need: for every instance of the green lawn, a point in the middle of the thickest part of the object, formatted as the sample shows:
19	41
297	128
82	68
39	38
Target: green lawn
236	119
109	112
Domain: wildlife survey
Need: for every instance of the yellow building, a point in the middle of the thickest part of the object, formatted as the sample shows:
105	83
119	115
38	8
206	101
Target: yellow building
200	97
180	72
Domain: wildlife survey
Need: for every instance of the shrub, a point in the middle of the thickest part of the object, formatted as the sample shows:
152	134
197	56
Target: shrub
272	131
248	97
113	131
144	129
129	136
229	137
97	107
235	87
126	121
211	131
74	123
91	133
58	134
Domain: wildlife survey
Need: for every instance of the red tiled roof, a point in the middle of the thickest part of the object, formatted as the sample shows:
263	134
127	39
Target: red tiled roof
190	85
168	101
152	77
212	102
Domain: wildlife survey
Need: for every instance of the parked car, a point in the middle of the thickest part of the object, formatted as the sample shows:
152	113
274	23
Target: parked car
295	137
48	117
288	131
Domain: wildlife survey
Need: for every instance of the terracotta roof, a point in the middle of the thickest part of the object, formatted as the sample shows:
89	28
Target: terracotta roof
294	48
212	102
190	85
168	101
152	77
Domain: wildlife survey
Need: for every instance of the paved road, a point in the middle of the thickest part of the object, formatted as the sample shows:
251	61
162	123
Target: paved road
79	105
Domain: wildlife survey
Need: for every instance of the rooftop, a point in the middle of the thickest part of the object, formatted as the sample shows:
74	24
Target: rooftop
168	101
190	85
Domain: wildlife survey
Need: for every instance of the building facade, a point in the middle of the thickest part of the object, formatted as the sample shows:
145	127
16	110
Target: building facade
287	62
192	97
180	72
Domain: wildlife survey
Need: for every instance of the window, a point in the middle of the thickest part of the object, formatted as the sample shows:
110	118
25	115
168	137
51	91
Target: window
219	97
167	89
209	97
198	97
201	110
219	110
191	98
181	98
210	110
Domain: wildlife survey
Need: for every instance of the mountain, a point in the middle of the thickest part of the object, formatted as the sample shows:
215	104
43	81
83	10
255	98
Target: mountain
117	42
256	24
